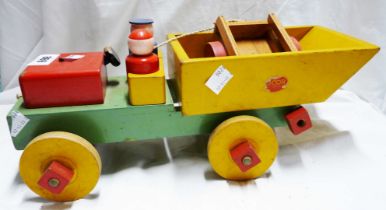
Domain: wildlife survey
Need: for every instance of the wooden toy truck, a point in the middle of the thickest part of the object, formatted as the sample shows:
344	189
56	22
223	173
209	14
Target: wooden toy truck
59	162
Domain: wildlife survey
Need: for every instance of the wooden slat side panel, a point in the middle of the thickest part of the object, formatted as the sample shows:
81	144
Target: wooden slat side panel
226	36
281	33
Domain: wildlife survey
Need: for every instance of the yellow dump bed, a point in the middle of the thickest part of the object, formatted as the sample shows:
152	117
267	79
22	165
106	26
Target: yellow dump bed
327	60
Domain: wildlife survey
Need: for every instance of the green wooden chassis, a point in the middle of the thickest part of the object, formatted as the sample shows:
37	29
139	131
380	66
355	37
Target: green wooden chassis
116	120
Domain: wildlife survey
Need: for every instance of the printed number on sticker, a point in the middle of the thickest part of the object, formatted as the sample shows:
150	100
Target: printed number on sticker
44	60
219	79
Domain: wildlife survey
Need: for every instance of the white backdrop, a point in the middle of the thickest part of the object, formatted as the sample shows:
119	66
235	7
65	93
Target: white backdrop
33	27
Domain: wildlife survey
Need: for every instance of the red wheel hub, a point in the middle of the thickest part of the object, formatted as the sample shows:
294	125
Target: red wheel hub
245	156
56	177
298	120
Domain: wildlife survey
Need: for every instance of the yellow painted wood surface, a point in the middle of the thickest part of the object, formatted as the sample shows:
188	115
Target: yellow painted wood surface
146	89
233	132
69	149
328	59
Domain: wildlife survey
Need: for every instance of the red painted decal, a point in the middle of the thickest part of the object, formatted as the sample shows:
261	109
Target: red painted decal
275	84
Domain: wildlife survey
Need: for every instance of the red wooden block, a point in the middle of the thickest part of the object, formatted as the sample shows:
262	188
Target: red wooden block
245	156
298	120
136	64
56	177
66	82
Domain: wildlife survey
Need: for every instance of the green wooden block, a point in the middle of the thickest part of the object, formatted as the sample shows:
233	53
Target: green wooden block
116	120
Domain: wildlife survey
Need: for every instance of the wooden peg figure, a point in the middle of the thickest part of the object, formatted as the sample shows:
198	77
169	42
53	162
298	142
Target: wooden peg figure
141	59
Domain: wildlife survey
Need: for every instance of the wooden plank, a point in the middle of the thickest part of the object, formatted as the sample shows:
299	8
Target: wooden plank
262	46
281	33
274	42
246	47
226	36
247	23
250	47
253	31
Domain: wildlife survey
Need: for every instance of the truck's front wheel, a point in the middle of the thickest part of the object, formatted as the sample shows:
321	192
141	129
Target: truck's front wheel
60	166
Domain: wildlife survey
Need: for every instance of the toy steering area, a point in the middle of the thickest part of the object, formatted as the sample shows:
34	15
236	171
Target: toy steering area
235	83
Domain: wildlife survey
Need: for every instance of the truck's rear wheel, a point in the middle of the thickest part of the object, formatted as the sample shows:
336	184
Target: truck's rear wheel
242	148
60	166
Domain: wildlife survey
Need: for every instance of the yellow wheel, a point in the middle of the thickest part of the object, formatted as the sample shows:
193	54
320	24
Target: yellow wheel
234	133
70	151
